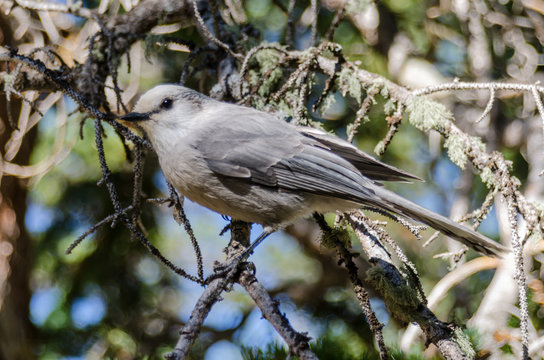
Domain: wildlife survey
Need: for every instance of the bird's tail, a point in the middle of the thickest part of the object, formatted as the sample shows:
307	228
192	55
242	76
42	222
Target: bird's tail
465	235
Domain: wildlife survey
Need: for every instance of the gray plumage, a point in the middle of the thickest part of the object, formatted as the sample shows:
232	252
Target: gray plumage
254	167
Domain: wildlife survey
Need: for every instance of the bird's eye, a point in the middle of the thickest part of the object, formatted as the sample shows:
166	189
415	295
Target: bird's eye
167	104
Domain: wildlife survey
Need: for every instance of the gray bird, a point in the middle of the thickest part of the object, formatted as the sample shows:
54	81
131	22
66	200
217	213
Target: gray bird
253	167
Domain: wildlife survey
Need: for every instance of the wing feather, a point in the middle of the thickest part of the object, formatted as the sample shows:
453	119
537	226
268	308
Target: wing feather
369	167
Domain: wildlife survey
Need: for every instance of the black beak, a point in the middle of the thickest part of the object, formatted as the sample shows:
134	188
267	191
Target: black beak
134	117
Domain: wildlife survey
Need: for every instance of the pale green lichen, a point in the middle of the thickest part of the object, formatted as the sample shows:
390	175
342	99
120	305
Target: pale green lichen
327	103
379	148
478	142
389	107
456	150
539	206
100	56
258	104
266	59
8	82
349	84
384	90
464	343
349	128
376	86
489	178
427	115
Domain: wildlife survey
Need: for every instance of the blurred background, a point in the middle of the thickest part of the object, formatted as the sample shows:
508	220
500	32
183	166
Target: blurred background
110	298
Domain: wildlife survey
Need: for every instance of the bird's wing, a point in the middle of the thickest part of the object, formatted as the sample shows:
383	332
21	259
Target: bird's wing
366	164
267	151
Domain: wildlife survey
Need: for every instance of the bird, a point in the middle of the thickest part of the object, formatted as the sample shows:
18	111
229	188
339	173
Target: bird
254	167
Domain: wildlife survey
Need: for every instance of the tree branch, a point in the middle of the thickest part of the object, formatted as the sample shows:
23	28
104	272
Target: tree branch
297	342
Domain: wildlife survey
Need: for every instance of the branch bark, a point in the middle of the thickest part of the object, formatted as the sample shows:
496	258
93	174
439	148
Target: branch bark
297	342
400	297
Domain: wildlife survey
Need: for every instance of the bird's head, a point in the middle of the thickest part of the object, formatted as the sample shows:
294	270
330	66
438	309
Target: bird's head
166	110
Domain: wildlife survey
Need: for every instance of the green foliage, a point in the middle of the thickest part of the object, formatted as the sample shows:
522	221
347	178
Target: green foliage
330	346
273	351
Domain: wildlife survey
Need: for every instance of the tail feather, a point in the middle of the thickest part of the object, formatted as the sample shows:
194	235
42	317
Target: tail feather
465	235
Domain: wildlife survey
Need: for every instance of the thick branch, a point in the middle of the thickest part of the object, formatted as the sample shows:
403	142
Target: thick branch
401	298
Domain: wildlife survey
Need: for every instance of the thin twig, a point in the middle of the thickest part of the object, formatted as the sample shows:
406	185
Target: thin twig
478	215
414	229
300	111
111	61
93	228
329	84
210	36
519	276
315	16
363	110
360	218
215	21
489	105
182	217
138	183
246	99
339	16
297	342
393	122
301	71
459	85
192	55
399	296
